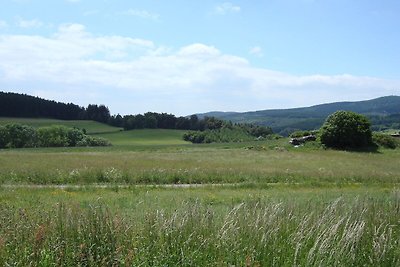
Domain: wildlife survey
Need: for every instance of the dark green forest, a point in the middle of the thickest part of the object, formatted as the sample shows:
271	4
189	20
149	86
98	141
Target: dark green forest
383	112
21	105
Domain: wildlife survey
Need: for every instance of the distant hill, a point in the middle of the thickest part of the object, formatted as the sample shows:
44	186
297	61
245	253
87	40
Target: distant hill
384	113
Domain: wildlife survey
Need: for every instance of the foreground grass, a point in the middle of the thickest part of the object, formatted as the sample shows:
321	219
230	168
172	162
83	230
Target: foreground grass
91	127
230	226
197	164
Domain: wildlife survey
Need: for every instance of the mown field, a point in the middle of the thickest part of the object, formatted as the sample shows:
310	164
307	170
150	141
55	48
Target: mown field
271	204
145	137
91	127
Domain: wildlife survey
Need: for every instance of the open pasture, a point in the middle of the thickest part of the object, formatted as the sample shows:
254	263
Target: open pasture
91	127
272	205
146	137
197	164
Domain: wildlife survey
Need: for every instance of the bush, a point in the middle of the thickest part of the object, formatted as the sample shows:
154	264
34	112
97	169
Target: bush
20	136
345	129
17	136
93	141
258	131
53	136
384	140
4	138
75	135
194	137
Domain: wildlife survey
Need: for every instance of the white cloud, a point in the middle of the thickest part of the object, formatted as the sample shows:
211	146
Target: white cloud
135	75
199	51
143	14
34	23
226	8
256	51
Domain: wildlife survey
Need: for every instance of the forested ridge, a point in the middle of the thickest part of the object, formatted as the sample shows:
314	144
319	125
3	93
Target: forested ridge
22	105
383	112
26	106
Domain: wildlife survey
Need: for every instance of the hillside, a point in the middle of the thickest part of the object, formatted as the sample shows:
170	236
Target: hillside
384	113
148	137
91	127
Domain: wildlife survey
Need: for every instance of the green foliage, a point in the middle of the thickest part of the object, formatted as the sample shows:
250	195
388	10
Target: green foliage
53	136
219	131
385	140
346	129
384	113
93	141
274	137
223	135
195	137
91	127
18	136
4	138
74	136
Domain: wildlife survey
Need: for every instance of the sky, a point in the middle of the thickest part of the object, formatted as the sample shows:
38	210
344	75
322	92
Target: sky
186	56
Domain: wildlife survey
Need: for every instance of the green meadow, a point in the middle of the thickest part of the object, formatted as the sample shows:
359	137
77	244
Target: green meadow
260	203
145	137
209	226
91	127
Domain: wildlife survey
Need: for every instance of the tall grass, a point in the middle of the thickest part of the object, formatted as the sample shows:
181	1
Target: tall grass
198	165
359	231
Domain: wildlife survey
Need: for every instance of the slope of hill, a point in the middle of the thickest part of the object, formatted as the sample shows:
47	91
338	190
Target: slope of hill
148	137
384	112
91	127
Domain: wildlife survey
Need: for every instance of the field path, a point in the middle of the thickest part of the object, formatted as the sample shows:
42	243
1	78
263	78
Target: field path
66	186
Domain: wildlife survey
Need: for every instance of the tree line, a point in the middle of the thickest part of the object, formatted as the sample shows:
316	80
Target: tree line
16	135
22	105
153	120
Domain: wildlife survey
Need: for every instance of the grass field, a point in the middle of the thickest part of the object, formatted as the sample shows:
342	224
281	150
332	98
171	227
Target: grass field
146	137
290	226
197	164
273	205
91	127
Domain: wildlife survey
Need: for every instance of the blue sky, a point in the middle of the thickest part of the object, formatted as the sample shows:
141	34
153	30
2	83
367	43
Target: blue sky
185	57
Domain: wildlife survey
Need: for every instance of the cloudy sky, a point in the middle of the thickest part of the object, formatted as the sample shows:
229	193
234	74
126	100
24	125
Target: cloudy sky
187	56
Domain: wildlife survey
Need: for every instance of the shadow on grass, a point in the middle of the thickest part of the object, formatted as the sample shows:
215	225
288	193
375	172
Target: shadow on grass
374	148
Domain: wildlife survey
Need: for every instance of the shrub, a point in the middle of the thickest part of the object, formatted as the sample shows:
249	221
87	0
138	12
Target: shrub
20	136
4	138
384	140
17	136
194	137
258	131
345	129
53	136
93	141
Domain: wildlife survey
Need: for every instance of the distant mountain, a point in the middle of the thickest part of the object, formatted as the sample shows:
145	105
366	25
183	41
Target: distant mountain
384	112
